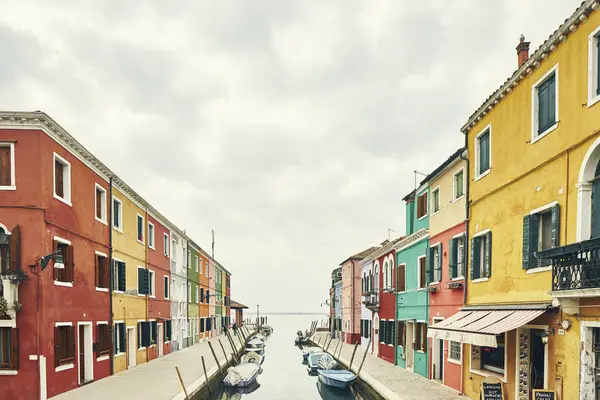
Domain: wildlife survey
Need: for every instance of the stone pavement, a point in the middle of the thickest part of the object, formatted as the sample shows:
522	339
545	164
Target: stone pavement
157	379
390	381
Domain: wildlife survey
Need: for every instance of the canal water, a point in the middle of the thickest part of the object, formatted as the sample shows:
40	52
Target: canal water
284	375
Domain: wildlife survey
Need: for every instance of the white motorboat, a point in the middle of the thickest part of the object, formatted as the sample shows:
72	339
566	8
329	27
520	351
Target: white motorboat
256	343
308	351
255	350
242	375
252	357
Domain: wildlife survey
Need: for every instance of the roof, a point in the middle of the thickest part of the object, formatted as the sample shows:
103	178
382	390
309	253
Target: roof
410	196
361	255
449	161
410	240
384	249
235	304
533	62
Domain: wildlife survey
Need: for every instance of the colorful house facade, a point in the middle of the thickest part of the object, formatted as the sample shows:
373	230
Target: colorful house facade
412	296
179	291
204	294
336	277
447	263
218	299
193	270
368	301
211	298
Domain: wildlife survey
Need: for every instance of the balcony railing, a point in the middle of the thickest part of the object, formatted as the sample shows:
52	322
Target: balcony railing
574	266
372	301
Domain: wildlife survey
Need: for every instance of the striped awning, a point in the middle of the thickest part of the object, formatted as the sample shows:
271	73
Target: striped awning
480	327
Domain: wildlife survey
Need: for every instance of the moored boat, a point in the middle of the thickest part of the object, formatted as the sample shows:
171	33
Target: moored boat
253	358
256	343
323	361
242	375
336	378
308	351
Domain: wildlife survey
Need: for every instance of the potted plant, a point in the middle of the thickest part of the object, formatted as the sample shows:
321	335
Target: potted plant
17	306
3	306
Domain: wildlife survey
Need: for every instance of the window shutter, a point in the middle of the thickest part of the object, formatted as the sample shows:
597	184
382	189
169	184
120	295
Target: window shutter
71	262
122	276
526	239
105	273
114	284
140	281
14	249
474	258
556	226
123	338
439	262
392	331
72	342
488	255
98	340
401	278
430	266
145	281
154	330
97	270
116	335
452	260
542	107
5	167
145	334
14	349
551	101
54	250
56	347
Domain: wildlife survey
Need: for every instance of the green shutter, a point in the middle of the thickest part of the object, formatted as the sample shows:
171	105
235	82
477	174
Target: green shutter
430	266
142	281
475	273
439	263
121	276
488	255
526	238
533	240
556	226
145	334
452	258
392	332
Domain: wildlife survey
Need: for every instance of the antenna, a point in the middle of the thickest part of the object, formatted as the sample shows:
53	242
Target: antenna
213	243
389	231
418	173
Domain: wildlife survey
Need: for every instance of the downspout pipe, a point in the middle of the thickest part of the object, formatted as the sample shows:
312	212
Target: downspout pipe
111	274
465	157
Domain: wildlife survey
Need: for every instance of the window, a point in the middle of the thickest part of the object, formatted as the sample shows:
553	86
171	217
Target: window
201	325
201	295
165	245
492	358
422	272
541	231
151	235
7	166
402	277
385	275
545	104
401	334
100	204
421	336
166	287
189	259
459	185
144	281
435	200
102	271
422	205
456	256
173	249
119	340
117	214
200	266
196	263
143	334
481	256
483	152
62	179
455	351
151	283
593	70
9	349
189	292
103	339
140	228
153	332
65	274
197	295
168	330
435	260
119	277
64	345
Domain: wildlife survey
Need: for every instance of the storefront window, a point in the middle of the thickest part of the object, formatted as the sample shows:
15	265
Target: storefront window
492	358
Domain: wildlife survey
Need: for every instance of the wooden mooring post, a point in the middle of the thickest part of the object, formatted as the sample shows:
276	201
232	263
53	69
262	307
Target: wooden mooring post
353	353
225	354
336	347
328	344
212	350
364	357
206	377
182	384
341	345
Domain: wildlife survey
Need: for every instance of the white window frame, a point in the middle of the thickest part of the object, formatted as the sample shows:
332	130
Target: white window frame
66	179
453	360
13	184
72	365
541	210
166	287
185	257
101	289
151	243
433	210
138	216
419	273
116	274
438	248
200	266
68	243
535	106
115	323
593	97
454	198
197	261
189	258
462	236
173	249
477	175
103	211
118	228
197	294
165	245
152	283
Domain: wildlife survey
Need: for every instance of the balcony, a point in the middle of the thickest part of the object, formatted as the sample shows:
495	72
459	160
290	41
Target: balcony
575	272
9	292
372	302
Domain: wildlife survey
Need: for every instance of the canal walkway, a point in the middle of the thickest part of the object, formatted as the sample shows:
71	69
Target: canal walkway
157	379
390	381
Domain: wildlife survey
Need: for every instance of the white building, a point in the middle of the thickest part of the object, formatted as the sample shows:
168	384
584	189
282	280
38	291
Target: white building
366	315
179	291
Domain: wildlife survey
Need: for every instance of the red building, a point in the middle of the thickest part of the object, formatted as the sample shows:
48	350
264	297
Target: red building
159	303
54	197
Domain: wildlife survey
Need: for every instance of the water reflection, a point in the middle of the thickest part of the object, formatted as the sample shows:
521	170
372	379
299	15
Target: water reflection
285	375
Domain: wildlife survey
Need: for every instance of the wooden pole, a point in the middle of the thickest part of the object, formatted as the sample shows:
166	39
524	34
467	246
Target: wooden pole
352	359
336	347
225	354
328	344
319	342
341	345
364	357
215	356
182	384
206	377
234	347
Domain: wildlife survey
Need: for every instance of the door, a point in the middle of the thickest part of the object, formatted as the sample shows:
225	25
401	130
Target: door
131	350
537	360
81	353
410	354
596	204
376	335
437	356
160	341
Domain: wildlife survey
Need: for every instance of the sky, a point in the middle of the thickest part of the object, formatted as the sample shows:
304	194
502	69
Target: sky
290	127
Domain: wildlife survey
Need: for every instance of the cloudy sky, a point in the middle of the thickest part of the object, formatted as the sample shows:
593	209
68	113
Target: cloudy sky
291	127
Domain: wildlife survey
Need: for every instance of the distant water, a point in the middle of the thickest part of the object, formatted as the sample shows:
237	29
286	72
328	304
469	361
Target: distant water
284	376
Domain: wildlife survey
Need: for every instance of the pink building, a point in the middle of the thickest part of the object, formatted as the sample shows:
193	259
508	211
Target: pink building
212	299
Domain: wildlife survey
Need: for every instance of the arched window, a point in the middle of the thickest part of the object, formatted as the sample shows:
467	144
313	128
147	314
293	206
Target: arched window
385	275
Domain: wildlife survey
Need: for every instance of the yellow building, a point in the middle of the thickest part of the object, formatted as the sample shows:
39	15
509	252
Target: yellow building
534	152
129	255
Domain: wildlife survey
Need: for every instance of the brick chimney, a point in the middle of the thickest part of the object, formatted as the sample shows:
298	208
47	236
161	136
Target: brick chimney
522	51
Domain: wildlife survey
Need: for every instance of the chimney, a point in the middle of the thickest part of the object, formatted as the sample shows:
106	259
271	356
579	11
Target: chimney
522	51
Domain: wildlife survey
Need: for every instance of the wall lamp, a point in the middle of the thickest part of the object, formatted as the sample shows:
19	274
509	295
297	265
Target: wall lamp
546	335
58	260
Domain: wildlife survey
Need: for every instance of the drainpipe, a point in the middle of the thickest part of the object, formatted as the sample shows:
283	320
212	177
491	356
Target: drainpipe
466	244
352	304
146	237
111	274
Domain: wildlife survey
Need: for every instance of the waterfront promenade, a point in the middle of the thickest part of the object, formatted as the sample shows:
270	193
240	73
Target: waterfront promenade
157	379
390	381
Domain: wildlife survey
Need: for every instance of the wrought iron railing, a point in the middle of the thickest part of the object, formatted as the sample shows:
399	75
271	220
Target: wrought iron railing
574	266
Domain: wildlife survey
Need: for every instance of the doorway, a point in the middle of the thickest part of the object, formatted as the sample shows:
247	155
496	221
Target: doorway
537	363
85	352
376	335
532	361
410	354
131	350
437	356
160	340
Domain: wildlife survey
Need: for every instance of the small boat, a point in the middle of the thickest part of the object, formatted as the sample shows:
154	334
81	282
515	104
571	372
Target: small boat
255	350
253	358
260	336
323	361
329	393
308	351
242	375
256	343
336	378
300	340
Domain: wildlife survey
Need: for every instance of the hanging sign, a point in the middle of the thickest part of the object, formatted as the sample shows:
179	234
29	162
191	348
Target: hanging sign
492	391
543	394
